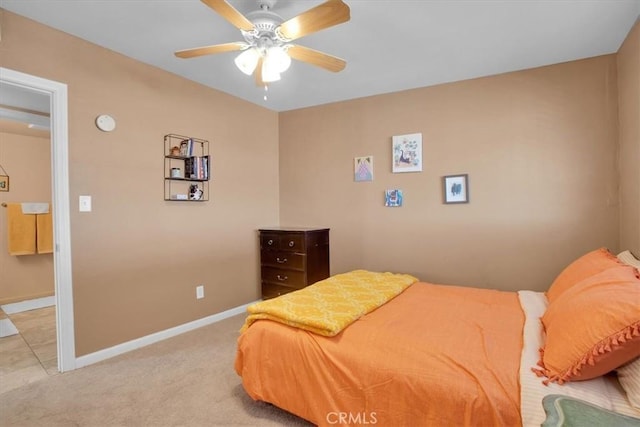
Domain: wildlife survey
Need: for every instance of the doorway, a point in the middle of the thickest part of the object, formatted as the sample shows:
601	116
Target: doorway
57	93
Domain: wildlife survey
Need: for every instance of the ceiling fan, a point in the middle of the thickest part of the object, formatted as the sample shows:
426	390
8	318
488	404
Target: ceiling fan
267	49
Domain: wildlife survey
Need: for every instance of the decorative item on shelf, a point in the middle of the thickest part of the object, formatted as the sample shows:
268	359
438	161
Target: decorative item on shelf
456	188
175	173
195	192
4	180
407	153
175	151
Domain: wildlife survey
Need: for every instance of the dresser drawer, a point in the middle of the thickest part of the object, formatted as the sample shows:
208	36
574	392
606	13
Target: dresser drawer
270	290
282	259
283	241
290	278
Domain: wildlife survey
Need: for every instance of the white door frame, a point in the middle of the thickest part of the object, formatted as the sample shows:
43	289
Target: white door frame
61	209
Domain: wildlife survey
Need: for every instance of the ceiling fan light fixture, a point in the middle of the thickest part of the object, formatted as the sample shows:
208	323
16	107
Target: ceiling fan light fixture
269	73
247	61
278	58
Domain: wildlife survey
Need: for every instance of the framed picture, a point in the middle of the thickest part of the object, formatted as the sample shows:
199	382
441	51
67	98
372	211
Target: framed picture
4	183
363	168
393	198
456	188
406	153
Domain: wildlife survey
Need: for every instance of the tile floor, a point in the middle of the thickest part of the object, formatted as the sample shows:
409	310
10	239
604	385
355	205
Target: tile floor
31	355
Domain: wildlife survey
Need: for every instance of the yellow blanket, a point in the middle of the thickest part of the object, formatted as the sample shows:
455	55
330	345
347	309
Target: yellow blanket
329	306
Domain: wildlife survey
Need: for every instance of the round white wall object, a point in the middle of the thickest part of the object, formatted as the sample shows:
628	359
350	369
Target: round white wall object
105	123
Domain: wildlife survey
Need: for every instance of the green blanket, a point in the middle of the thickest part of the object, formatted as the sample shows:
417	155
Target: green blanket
563	411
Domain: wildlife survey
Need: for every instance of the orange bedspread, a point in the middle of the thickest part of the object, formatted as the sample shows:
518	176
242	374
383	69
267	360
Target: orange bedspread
434	355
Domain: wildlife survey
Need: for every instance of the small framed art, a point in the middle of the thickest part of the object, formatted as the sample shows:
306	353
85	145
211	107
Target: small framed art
4	183
363	168
456	188
407	153
393	198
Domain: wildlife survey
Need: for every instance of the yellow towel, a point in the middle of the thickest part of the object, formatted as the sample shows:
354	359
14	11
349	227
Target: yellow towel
44	234
21	231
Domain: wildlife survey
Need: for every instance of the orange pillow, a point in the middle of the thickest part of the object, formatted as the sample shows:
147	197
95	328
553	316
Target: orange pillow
587	265
593	327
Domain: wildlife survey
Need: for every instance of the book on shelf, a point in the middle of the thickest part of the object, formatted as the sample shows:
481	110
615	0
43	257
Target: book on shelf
188	167
197	167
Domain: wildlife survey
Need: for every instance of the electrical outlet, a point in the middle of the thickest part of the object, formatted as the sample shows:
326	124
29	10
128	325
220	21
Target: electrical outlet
199	292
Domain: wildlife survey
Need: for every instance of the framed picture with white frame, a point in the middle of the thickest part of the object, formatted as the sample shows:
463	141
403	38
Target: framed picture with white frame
406	154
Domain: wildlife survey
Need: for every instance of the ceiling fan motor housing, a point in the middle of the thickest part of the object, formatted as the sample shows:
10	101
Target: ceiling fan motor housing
263	35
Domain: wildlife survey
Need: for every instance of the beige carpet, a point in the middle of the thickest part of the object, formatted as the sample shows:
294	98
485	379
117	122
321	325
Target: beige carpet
183	381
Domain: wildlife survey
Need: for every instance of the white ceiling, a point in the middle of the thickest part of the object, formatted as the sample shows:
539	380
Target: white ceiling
19	104
389	45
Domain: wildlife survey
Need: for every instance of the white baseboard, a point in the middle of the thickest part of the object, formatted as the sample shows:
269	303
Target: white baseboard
107	353
32	304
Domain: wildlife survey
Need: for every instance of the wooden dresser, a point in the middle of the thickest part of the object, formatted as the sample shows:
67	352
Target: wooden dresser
292	258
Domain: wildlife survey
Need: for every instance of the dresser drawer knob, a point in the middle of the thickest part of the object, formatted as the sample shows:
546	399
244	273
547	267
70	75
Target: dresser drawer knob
292	244
270	242
282	278
281	261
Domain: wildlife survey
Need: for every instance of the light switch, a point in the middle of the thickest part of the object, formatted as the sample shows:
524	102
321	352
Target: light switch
85	203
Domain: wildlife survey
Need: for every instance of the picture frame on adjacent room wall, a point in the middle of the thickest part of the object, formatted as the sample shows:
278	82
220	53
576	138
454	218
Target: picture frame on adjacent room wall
363	168
4	183
455	188
406	153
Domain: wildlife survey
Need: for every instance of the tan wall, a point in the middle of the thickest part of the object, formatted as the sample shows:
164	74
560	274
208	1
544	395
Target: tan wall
136	258
629	134
27	161
539	146
540	150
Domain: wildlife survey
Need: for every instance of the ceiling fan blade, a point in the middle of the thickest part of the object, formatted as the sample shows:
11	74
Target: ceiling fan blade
230	13
208	50
317	58
325	15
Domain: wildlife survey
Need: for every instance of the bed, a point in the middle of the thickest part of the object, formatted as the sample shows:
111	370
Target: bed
433	354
